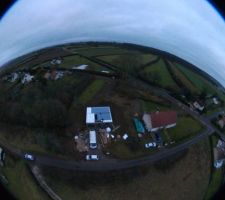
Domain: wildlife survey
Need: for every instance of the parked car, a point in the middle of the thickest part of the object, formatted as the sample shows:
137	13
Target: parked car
150	144
29	157
92	157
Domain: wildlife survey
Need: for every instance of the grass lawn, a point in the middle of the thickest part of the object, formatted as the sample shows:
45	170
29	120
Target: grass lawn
91	91
150	106
120	150
200	82
160	74
20	181
186	128
144	58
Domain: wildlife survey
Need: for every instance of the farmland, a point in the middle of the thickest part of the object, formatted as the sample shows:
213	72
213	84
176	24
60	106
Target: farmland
179	75
114	59
199	82
158	74
100	50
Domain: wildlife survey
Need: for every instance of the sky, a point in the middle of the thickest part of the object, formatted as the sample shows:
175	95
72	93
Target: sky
190	29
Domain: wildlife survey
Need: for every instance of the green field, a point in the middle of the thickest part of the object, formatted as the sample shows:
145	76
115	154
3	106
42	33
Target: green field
143	58
91	91
186	128
187	83
101	50
200	82
159	74
20	181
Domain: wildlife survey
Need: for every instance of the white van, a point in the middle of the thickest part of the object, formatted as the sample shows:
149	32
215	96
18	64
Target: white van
92	157
92	139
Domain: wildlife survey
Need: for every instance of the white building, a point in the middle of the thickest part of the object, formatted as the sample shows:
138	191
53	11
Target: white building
56	62
96	115
27	78
215	100
198	106
59	75
14	77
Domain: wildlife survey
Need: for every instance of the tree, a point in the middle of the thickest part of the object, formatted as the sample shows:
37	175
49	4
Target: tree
49	113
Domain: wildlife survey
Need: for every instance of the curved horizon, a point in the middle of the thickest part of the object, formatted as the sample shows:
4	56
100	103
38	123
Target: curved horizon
193	30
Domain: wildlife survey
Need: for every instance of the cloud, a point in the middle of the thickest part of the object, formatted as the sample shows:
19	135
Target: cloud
191	29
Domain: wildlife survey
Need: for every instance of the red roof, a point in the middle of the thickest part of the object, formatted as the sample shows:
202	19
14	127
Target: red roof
163	118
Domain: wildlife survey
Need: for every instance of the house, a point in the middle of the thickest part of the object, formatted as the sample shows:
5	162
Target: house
95	115
198	106
47	75
56	61
27	78
215	101
59	75
14	77
55	75
221	122
219	154
159	120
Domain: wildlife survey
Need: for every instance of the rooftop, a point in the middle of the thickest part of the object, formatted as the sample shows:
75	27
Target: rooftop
163	118
98	115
